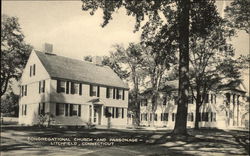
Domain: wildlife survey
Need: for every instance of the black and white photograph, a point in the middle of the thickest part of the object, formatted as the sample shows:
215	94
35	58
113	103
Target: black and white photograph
125	77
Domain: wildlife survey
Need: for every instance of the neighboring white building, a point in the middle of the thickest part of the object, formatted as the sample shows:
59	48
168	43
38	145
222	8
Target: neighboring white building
221	110
75	92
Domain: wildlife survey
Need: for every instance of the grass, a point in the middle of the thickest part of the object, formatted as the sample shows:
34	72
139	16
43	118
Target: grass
152	142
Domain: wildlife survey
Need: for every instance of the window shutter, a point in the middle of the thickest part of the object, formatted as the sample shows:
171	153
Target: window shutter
113	112
30	71
25	90
39	86
70	110
39	109
114	93
57	109
80	89
25	109
117	93
107	92
98	91
72	88
43	85
161	117
116	113
90	90
122	112
34	69
79	110
58	86
123	94
66	109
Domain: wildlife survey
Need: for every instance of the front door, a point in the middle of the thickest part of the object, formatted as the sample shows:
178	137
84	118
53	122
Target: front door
97	115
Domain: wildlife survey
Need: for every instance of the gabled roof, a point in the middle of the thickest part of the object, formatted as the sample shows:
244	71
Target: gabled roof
78	70
236	85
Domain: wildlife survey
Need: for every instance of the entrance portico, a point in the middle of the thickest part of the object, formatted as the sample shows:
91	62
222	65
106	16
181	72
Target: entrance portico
96	111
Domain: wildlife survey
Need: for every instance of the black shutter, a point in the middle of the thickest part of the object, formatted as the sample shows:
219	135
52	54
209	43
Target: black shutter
57	109
30	71
66	109
70	110
161	117
39	86
117	93
67	87
90	90
39	109
34	69
25	90
98	91
58	86
116	112
123	94
72	88
122	112
113	112
80	89
114	93
107	92
43	86
79	110
43	109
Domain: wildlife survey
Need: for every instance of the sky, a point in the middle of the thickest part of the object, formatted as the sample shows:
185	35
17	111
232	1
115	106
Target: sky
74	33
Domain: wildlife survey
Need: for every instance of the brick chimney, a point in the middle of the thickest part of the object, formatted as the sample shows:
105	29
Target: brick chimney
97	60
48	48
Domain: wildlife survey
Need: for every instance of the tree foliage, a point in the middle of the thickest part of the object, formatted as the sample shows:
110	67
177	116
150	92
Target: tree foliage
238	14
9	103
14	51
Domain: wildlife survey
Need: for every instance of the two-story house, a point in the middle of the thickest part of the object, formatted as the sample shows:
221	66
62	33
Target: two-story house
222	109
74	91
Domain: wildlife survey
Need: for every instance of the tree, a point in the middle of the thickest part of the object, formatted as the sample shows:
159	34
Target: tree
155	9
14	51
238	15
132	59
9	103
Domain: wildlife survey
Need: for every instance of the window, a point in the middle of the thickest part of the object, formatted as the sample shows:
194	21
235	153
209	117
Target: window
24	90
34	69
74	88
204	116
61	86
73	110
190	117
59	109
119	94
94	90
42	86
144	117
24	109
109	92
41	109
144	102
176	100
155	117
164	116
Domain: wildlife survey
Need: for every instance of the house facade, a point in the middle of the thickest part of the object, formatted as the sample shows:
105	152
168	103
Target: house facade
219	110
73	91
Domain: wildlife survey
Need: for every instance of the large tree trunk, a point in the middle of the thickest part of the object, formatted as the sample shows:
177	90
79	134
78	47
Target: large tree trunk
181	118
197	111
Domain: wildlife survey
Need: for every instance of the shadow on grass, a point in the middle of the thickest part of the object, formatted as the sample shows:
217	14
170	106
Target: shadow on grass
199	142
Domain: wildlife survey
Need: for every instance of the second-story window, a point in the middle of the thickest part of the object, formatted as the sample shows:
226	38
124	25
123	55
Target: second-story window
42	86
109	92
74	88
94	90
61	86
120	94
24	90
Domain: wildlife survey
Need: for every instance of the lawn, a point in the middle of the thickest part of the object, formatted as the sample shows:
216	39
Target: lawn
65	141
